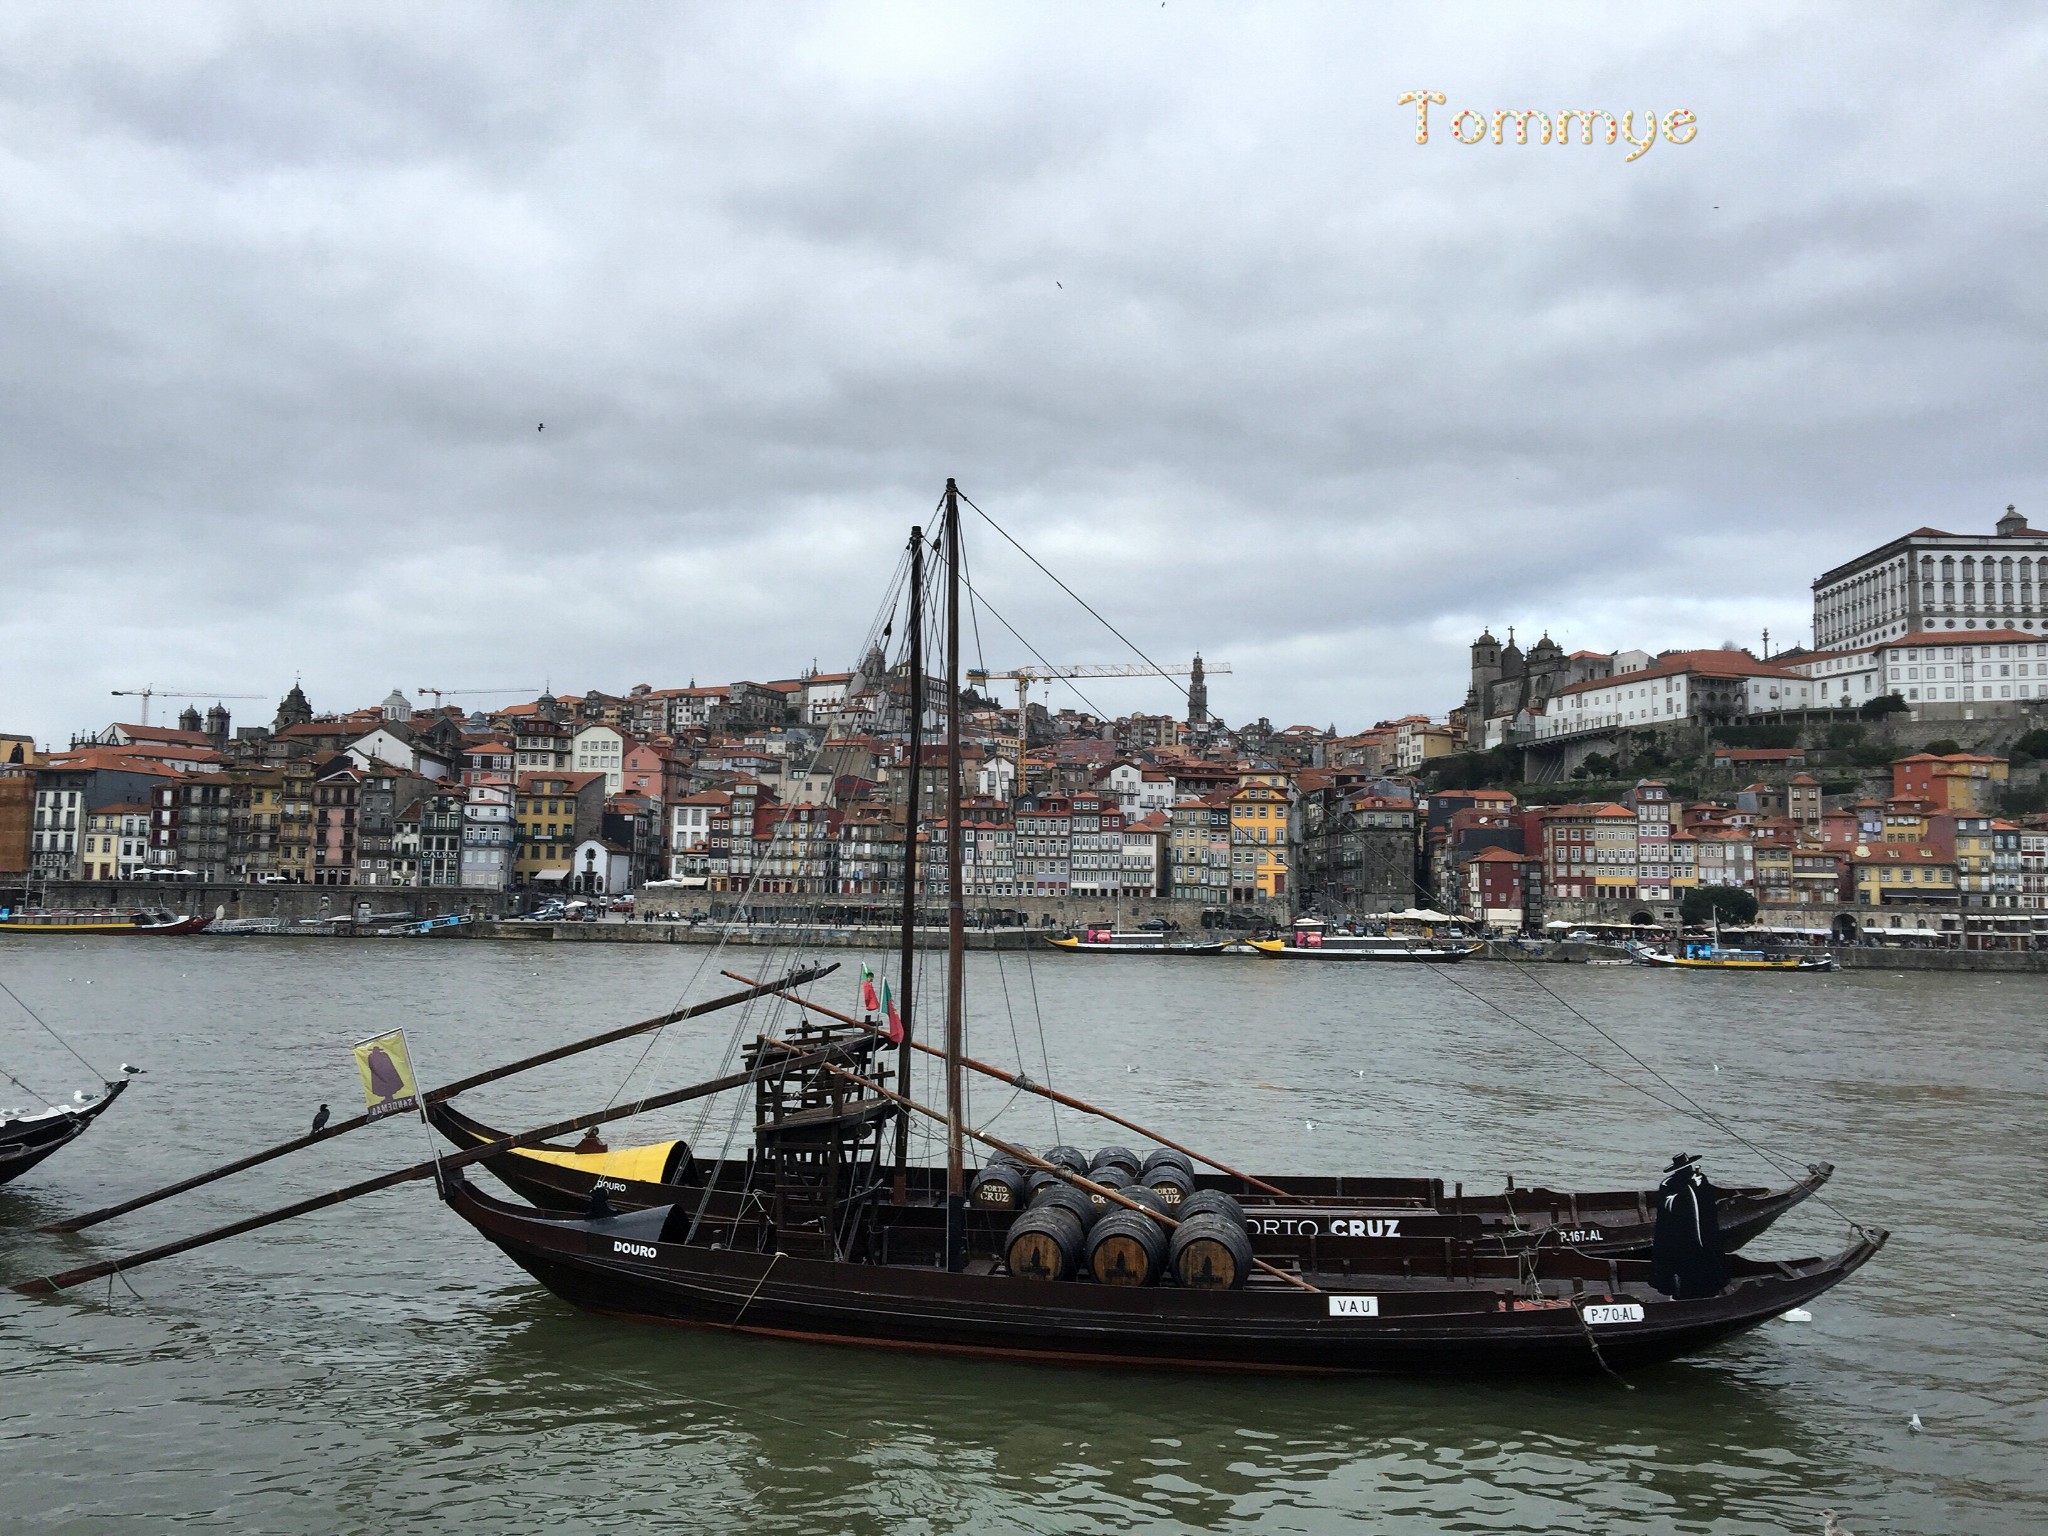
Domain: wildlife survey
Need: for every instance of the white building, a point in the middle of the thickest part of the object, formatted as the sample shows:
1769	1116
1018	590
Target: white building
1932	581
487	837
1933	667
825	696
600	749
396	751
1677	687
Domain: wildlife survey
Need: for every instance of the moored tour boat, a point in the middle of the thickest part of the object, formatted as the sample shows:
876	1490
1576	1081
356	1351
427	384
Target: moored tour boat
160	924
1311	939
1107	941
1711	955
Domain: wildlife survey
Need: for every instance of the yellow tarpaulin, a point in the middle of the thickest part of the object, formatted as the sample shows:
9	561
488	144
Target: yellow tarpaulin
643	1165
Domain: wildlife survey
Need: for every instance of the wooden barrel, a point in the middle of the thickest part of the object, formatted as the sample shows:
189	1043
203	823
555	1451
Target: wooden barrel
1068	1198
1068	1157
1166	1156
1147	1196
1211	1202
1210	1253
1124	1155
998	1187
1127	1248
1169	1183
1044	1243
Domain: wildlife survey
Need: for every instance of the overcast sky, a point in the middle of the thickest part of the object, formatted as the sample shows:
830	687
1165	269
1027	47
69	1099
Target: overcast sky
286	293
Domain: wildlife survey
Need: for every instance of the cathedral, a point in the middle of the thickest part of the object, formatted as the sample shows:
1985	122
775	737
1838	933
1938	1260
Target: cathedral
1506	682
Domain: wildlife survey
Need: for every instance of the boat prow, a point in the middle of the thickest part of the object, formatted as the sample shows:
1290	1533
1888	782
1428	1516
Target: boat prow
26	1140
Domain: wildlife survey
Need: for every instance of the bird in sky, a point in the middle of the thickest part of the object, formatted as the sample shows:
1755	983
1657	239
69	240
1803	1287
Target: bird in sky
1059	285
320	1121
541	427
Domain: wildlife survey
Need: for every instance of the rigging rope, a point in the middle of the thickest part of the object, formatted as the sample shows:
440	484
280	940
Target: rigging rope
95	1071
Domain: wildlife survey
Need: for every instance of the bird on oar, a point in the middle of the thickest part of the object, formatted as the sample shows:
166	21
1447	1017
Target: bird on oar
1830	1526
319	1121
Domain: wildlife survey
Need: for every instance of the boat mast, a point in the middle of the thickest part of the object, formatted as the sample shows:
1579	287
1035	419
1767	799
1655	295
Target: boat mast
905	968
956	910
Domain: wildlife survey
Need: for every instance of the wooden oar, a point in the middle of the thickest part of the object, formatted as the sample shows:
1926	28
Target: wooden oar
436	1095
47	1284
1019	1080
1114	1196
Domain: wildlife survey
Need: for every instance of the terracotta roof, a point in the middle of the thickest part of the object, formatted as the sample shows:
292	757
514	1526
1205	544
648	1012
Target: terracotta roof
1679	663
1965	636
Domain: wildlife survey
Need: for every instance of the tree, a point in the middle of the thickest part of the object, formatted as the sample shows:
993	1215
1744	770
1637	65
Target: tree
1598	765
1946	747
1735	905
1883	704
2030	746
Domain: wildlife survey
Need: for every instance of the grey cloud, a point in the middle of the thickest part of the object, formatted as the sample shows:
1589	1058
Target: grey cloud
286	296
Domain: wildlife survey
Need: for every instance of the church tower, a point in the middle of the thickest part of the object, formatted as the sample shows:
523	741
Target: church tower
293	709
1198	695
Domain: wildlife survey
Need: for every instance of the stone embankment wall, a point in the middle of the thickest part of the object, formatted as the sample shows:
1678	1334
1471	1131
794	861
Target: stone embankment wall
284	903
1848	957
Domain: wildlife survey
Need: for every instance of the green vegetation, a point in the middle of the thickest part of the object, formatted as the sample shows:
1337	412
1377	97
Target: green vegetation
1946	747
1702	902
1500	768
1598	765
2030	746
1756	735
1884	704
1844	735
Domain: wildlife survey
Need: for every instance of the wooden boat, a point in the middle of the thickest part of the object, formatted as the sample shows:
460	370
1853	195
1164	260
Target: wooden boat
26	1139
1384	1213
1709	955
1312	940
1472	1315
158	924
1105	941
821	1234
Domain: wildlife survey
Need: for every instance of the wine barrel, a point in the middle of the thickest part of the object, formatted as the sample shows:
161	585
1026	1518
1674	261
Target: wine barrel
1208	1202
1147	1196
1210	1253
1044	1243
1106	1155
1170	1183
1067	1198
1127	1248
1068	1157
998	1187
1159	1156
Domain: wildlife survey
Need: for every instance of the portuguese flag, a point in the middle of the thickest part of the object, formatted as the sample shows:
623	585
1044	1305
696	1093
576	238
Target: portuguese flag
895	1018
868	1001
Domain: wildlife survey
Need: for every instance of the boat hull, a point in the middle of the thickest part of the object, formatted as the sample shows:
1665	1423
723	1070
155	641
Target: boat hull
1679	963
1074	946
1360	1221
1429	954
24	1143
1381	1324
114	924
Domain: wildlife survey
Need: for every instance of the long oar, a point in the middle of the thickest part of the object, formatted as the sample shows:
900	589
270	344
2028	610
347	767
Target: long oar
47	1284
1032	1159
436	1095
1018	1080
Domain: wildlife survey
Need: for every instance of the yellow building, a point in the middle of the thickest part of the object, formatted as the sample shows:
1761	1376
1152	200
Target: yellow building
116	842
1259	838
18	750
295	822
1896	873
551	813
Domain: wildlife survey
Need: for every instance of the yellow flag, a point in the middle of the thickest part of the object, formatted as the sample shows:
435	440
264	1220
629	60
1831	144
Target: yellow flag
389	1086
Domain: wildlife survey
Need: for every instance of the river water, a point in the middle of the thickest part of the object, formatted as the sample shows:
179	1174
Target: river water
377	1366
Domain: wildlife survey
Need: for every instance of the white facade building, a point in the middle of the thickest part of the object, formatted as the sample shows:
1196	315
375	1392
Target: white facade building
600	749
1929	580
1677	687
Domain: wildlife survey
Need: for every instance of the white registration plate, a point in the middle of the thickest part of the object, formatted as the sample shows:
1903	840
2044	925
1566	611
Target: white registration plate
1615	1312
1354	1306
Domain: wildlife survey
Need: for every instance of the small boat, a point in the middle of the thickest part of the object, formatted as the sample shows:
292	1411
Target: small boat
26	1139
1380	1213
161	924
1711	955
1310	939
1107	941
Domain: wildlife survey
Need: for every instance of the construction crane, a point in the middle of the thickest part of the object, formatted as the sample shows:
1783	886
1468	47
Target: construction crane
1024	677
457	693
146	694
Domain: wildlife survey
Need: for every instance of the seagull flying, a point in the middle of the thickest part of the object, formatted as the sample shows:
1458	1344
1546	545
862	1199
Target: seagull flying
320	1121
